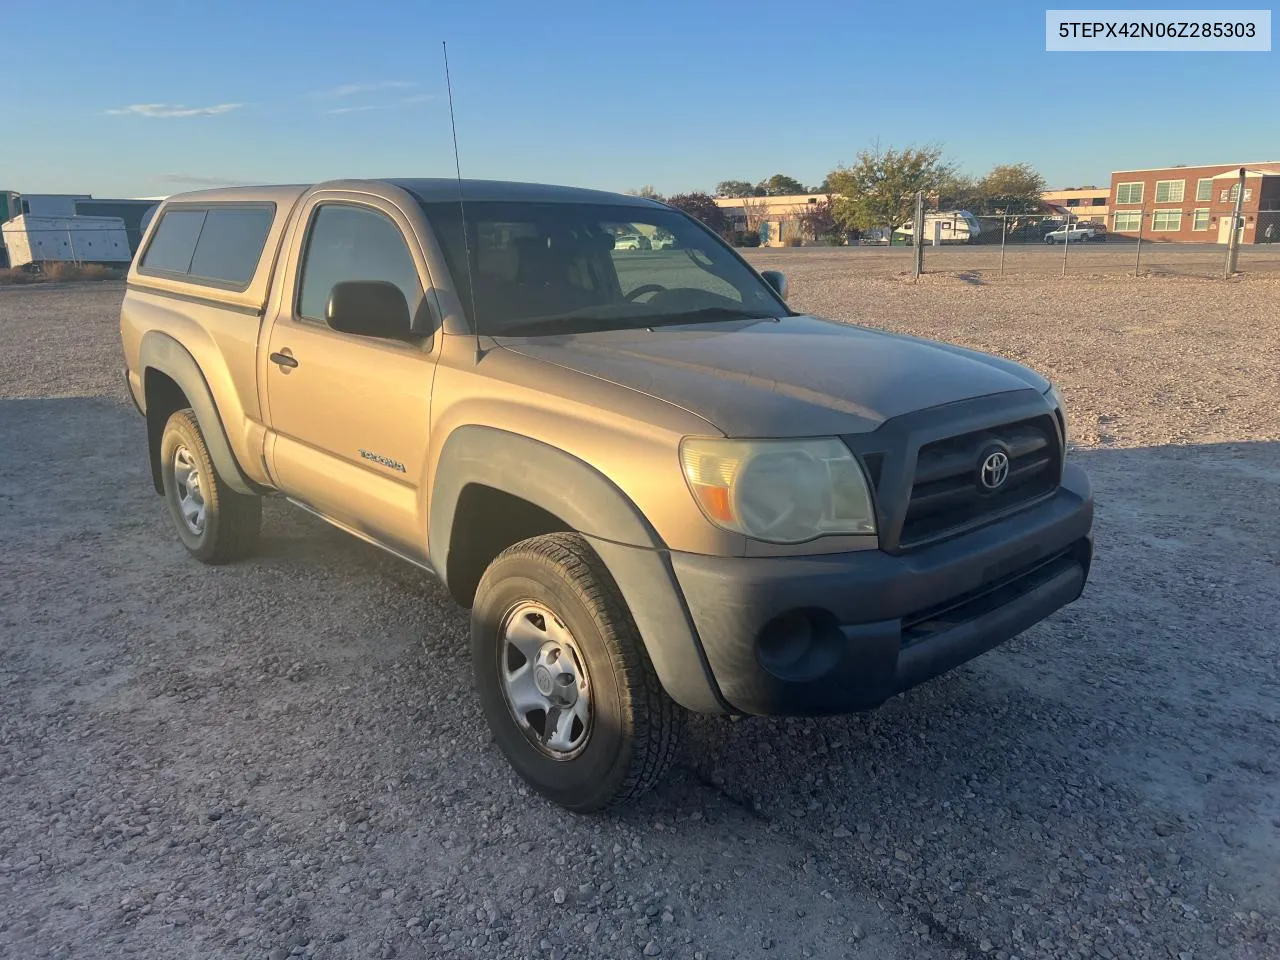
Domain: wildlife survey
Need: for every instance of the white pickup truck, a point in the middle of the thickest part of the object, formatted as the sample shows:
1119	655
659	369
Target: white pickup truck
1076	233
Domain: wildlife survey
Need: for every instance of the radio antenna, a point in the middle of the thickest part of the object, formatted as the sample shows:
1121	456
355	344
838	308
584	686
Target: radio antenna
462	207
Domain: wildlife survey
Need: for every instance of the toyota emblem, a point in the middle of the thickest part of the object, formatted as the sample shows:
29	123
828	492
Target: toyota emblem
994	470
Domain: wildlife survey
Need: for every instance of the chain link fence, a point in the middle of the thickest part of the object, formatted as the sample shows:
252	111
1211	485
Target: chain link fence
1168	241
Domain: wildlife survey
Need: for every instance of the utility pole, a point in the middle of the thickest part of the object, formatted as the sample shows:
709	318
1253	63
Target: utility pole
1233	241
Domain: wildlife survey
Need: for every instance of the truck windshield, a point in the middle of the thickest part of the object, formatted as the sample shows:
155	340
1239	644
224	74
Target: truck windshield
543	269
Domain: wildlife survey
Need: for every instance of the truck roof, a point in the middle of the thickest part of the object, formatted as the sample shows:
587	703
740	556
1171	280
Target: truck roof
426	189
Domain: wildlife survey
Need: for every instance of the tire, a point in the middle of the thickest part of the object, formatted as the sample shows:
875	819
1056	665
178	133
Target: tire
215	524
556	596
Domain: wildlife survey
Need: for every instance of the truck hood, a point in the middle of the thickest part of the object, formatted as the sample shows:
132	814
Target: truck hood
794	376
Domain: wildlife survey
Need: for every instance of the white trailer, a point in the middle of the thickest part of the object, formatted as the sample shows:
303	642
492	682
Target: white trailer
951	226
32	239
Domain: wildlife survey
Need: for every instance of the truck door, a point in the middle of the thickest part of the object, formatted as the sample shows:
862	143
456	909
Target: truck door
347	415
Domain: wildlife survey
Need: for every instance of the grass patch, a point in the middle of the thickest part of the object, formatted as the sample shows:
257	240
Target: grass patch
60	272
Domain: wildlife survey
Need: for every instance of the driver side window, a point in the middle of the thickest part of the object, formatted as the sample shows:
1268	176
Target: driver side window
347	242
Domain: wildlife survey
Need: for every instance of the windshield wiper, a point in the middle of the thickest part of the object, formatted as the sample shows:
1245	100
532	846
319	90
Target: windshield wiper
579	323
583	322
705	315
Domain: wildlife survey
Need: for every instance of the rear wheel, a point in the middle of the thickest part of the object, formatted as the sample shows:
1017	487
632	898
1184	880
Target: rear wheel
563	677
215	524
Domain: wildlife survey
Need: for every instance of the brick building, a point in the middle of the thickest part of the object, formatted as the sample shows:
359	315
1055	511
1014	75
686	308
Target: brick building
1078	203
1194	204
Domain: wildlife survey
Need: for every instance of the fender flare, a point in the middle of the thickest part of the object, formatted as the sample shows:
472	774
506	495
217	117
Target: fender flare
163	353
592	505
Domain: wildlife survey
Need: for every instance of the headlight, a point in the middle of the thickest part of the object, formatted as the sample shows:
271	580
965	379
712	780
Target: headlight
1055	401
780	491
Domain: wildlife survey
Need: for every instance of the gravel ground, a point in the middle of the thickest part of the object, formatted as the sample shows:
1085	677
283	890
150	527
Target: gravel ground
285	757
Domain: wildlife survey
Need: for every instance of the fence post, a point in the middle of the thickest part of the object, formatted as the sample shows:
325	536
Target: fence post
1066	242
1137	257
1004	231
918	234
1233	240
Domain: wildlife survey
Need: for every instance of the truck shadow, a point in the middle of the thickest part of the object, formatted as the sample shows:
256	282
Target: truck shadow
1124	702
1145	694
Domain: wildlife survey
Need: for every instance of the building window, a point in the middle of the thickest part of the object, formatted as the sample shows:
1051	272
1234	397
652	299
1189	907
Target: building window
1229	196
1170	191
1166	220
1128	220
1204	189
1200	219
1129	192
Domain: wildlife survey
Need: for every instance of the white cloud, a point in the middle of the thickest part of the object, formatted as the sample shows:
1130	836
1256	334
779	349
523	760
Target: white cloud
173	110
353	89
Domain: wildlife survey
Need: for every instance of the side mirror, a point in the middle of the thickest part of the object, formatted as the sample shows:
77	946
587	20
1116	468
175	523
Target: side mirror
369	308
777	280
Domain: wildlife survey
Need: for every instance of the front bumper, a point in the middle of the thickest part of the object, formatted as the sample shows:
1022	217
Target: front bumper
844	632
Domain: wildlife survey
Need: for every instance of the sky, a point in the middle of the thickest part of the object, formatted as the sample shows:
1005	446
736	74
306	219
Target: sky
149	99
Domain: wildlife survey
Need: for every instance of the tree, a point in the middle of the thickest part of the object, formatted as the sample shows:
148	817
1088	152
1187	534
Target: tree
960	191
754	212
780	185
700	206
818	219
733	188
646	191
879	190
1012	188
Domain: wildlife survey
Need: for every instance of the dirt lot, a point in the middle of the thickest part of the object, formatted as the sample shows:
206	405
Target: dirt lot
285	757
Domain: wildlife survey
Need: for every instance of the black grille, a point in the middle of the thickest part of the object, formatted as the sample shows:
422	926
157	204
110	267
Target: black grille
947	492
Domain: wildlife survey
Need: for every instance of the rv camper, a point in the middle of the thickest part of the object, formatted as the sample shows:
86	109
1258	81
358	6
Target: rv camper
951	226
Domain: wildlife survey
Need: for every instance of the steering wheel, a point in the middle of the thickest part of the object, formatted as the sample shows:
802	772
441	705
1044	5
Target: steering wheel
644	288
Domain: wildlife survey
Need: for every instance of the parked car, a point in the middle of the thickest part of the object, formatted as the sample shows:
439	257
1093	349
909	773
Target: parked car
1077	233
632	241
654	494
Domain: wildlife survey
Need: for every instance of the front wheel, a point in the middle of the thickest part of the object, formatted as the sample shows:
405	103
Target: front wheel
564	679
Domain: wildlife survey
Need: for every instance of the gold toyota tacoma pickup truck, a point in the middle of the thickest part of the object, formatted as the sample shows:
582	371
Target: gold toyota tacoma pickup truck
656	487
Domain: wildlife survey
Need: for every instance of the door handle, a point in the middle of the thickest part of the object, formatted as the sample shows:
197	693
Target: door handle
285	360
